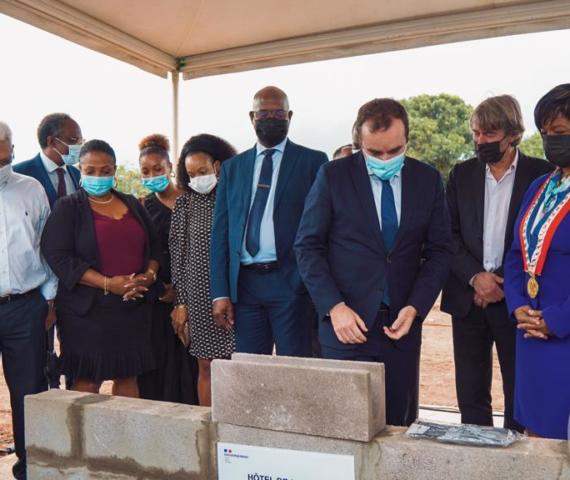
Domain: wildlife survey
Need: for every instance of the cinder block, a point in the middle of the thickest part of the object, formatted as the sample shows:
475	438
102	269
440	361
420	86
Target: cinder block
403	458
307	397
48	423
166	438
376	370
394	456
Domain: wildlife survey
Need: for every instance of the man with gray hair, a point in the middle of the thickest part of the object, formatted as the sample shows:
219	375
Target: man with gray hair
484	196
27	289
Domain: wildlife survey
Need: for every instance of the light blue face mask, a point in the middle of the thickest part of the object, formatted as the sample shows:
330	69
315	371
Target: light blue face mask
97	186
385	169
73	156
156	184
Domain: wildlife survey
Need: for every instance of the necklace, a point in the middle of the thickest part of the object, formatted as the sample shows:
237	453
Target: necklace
104	202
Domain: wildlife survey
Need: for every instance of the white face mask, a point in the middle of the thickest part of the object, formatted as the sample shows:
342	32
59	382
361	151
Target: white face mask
204	183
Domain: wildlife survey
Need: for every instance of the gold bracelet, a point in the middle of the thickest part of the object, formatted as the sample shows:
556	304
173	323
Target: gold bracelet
105	285
153	273
180	305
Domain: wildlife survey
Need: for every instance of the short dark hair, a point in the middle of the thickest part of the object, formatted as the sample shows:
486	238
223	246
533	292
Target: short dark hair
50	126
553	104
216	148
97	146
382	112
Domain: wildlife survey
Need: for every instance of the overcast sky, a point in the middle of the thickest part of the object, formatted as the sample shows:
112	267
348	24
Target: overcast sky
120	103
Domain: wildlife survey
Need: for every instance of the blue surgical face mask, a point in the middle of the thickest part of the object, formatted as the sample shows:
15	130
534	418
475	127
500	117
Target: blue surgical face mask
385	169
156	184
73	156
97	186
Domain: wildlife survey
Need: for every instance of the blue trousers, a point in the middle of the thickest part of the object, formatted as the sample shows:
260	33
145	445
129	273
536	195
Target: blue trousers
23	348
268	312
401	364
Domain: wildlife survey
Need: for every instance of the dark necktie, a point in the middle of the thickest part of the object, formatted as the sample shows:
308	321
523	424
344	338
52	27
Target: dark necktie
389	222
61	189
253	234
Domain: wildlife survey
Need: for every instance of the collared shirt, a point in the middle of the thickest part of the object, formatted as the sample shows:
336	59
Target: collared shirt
24	209
51	168
267	250
396	184
497	201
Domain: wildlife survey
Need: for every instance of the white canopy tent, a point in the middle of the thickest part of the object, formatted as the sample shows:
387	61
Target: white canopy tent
207	37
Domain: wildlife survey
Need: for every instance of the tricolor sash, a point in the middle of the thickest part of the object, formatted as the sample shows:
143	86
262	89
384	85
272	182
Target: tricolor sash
535	240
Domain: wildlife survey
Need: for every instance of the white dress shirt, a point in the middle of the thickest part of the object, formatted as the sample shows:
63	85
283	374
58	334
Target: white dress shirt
267	249
24	209
396	184
497	201
51	168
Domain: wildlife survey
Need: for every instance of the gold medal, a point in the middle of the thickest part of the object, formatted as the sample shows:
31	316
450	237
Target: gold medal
532	287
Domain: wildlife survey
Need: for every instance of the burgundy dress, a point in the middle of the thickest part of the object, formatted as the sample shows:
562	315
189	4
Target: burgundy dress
113	339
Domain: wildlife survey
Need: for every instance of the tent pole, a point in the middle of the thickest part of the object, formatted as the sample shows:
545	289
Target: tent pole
175	114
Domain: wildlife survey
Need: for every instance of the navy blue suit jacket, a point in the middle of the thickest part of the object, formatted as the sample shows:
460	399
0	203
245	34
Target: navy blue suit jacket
299	167
35	168
341	254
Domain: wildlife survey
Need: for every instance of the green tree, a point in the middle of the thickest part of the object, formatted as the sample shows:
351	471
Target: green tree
129	181
439	130
533	146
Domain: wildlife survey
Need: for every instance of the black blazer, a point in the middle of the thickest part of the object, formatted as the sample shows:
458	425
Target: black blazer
466	199
69	245
341	254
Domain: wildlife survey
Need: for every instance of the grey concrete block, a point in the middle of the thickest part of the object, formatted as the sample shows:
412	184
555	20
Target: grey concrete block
403	458
165	437
376	370
303	398
393	456
47	421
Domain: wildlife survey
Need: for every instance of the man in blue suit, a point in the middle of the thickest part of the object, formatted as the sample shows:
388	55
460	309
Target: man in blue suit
255	283
373	249
60	141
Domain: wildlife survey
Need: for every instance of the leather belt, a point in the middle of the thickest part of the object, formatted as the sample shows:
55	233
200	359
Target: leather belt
262	267
17	296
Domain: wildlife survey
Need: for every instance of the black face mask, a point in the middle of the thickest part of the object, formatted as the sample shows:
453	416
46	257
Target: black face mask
557	149
489	153
272	131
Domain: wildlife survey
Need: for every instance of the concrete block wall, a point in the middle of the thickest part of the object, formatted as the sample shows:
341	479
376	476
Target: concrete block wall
78	436
83	436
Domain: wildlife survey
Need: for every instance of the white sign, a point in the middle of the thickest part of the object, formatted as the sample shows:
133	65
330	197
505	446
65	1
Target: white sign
244	462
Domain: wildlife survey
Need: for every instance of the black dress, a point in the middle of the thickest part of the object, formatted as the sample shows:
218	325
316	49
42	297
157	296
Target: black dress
103	338
175	376
190	245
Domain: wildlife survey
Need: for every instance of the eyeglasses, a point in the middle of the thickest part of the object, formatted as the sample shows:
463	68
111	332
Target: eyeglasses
265	114
72	141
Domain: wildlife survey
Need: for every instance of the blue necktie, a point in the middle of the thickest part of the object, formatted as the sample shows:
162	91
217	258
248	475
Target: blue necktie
253	234
389	223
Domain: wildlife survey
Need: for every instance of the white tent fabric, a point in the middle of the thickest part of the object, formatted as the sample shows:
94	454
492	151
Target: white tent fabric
207	37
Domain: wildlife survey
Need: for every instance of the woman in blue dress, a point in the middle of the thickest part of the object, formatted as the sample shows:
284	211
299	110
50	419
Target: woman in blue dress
537	285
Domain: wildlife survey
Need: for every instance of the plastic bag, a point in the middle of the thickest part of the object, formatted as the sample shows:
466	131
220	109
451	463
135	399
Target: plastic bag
474	435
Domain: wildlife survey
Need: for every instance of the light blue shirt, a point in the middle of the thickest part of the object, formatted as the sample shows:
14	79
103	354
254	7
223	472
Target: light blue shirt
51	168
24	209
267	250
396	184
